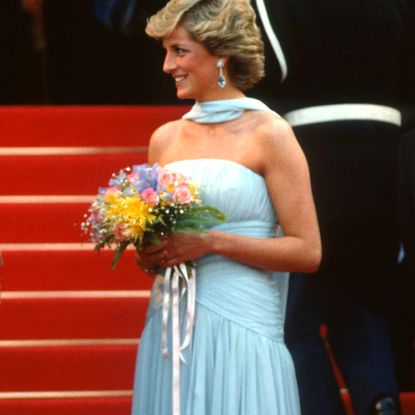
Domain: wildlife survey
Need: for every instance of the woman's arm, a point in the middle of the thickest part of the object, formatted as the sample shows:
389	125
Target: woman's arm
287	177
286	173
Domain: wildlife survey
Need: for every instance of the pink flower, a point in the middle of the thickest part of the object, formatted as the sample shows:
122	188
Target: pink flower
134	176
180	178
113	189
120	232
149	195
182	194
111	193
166	178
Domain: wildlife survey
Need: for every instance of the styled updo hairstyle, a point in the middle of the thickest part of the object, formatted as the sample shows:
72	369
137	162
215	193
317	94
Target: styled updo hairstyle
224	27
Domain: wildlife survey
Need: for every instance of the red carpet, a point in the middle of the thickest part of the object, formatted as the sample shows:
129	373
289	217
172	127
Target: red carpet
82	126
67	368
60	175
63	317
40	223
69	325
67	406
74	270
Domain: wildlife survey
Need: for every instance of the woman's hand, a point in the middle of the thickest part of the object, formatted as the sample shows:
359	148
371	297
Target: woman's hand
149	257
186	246
178	248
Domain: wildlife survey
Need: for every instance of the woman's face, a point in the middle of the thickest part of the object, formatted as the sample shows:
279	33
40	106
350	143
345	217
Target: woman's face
191	65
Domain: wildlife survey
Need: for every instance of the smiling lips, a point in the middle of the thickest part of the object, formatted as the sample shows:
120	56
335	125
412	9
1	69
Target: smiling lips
179	79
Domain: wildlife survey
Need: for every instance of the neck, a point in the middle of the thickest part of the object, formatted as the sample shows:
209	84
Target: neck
222	94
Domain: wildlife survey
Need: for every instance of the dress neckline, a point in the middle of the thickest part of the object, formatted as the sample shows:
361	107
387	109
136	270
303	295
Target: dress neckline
235	163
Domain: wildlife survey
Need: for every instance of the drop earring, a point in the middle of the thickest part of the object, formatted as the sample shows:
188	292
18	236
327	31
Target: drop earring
221	80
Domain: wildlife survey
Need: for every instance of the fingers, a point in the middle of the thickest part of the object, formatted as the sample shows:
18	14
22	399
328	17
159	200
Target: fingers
153	255
153	249
145	265
165	257
178	247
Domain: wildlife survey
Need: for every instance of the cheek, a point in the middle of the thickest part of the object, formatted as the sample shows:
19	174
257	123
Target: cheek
204	78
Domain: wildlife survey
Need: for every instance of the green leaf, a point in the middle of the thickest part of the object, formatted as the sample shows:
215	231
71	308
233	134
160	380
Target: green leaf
218	215
101	244
199	217
153	239
118	253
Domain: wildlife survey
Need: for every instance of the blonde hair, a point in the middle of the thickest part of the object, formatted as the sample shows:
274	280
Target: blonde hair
224	27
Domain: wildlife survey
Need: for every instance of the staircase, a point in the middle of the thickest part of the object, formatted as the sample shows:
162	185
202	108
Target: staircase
69	325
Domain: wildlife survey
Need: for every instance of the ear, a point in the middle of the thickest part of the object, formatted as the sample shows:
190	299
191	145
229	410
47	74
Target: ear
222	61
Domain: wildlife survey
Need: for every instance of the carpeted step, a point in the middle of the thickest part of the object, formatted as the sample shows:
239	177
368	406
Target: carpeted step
66	406
83	125
58	175
57	368
72	315
69	267
36	222
107	406
408	403
42	223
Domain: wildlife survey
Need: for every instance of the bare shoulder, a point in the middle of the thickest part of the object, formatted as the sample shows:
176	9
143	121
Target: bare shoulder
162	138
272	129
277	142
164	132
272	132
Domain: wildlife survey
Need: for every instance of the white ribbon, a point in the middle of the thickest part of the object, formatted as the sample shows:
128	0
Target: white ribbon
174	278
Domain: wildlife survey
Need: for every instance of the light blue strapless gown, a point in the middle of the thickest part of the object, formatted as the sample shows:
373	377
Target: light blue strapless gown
237	363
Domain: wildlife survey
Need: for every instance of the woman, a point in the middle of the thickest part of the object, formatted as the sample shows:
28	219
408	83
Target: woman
247	163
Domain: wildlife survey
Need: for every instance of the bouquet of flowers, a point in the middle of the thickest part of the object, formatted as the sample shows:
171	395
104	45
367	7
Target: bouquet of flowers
142	204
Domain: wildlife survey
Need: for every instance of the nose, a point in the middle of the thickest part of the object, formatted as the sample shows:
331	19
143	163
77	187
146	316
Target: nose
169	63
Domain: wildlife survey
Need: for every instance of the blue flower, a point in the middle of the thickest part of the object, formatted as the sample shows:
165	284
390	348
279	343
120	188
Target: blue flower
118	180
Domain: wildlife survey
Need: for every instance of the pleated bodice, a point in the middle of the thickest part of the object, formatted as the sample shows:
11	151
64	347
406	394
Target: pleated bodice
223	284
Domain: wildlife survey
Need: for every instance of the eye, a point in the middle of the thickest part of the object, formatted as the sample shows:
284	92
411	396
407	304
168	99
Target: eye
180	51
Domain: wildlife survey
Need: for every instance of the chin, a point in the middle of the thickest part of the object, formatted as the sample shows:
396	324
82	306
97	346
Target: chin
182	95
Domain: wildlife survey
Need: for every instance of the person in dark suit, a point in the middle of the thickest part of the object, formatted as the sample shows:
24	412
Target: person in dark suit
403	318
20	72
98	53
340	86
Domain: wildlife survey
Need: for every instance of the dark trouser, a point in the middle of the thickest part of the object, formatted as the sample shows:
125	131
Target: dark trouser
353	168
360	345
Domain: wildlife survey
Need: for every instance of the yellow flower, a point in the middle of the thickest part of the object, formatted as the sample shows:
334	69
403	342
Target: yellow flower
195	192
132	212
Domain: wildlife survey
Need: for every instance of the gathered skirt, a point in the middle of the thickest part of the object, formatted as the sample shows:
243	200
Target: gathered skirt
237	362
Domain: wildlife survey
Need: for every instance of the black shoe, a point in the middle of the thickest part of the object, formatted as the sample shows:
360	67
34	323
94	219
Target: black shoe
385	406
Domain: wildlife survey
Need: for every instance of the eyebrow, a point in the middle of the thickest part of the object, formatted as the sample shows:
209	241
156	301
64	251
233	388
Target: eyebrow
175	45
